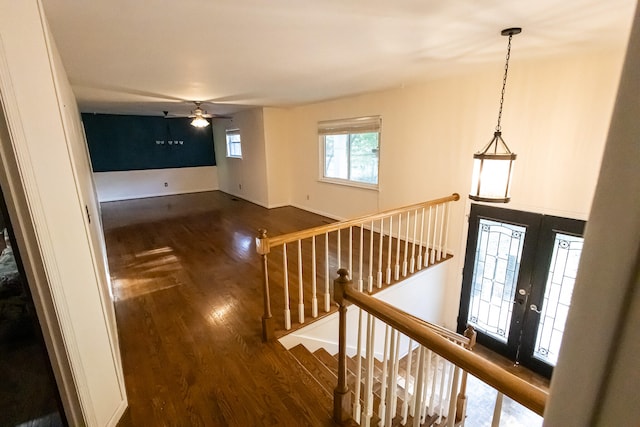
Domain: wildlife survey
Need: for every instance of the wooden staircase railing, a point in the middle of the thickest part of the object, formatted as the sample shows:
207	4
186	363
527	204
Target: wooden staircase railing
384	247
435	393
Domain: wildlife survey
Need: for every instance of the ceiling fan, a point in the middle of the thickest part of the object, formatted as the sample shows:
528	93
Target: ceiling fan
198	115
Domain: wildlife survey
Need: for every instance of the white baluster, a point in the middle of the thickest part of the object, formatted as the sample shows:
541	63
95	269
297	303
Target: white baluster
351	250
406	248
444	207
285	267
428	239
339	250
360	280
425	387
370	282
434	381
446	390
429	377
300	285
446	229
396	358
392	388
396	274
417	391
367	411
327	294
443	390
412	267
497	411
356	405
407	383
420	240
389	250
435	236
380	245
382	408
314	297
451	415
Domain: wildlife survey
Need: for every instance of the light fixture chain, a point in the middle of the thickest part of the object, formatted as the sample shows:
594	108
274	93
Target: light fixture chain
504	82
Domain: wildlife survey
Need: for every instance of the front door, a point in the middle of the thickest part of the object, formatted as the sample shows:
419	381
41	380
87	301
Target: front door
517	282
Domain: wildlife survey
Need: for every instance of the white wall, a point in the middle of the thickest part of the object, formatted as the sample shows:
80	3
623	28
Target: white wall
278	155
555	118
245	177
595	382
150	183
53	192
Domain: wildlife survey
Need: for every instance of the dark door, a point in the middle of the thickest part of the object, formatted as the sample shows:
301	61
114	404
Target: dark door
517	282
28	392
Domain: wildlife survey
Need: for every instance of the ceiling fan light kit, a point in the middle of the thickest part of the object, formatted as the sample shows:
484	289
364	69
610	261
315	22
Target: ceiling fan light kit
493	165
199	122
199	117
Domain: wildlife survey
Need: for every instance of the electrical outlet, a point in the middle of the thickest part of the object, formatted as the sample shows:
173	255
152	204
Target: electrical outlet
166	184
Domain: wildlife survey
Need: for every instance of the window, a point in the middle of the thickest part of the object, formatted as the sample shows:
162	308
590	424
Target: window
234	148
350	150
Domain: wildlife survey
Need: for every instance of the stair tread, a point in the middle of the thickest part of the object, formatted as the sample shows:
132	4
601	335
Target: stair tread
325	357
325	377
326	365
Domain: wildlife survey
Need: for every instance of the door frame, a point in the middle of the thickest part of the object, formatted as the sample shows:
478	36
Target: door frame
535	261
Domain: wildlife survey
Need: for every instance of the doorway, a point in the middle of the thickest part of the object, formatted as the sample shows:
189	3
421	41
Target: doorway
517	283
28	391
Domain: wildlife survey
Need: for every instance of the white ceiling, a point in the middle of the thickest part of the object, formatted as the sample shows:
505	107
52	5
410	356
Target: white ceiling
142	57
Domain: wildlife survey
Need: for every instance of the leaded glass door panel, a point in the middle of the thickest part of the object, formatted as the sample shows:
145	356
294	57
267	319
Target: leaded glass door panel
558	255
495	272
496	275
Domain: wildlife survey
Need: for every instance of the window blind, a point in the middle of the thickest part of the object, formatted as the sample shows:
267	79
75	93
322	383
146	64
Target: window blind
353	125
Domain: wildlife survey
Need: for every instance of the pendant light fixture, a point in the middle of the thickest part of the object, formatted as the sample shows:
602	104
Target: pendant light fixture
493	165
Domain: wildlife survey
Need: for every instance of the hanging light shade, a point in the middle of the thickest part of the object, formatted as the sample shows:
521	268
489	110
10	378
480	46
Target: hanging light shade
199	122
199	117
493	165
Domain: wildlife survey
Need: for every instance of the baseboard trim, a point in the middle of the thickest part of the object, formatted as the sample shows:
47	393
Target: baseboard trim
149	195
318	212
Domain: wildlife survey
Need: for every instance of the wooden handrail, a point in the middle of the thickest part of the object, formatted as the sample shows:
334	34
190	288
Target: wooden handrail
503	381
315	231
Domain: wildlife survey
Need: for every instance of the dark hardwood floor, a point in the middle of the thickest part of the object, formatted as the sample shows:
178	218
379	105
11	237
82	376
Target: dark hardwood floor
188	303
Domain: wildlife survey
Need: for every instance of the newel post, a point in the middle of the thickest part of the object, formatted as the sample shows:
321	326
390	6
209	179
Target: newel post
461	403
262	247
341	394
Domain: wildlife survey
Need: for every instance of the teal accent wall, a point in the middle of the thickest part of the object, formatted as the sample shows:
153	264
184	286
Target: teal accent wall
122	143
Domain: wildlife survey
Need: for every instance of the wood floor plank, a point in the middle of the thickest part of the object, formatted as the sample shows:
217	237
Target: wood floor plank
189	302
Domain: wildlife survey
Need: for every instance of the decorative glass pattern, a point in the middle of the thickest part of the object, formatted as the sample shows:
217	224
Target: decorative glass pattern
557	296
495	276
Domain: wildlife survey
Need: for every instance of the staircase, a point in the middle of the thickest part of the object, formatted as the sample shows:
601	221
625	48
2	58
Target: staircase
417	374
324	368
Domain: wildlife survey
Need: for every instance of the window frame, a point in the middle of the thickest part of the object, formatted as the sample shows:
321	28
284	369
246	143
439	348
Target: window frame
349	127
230	132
